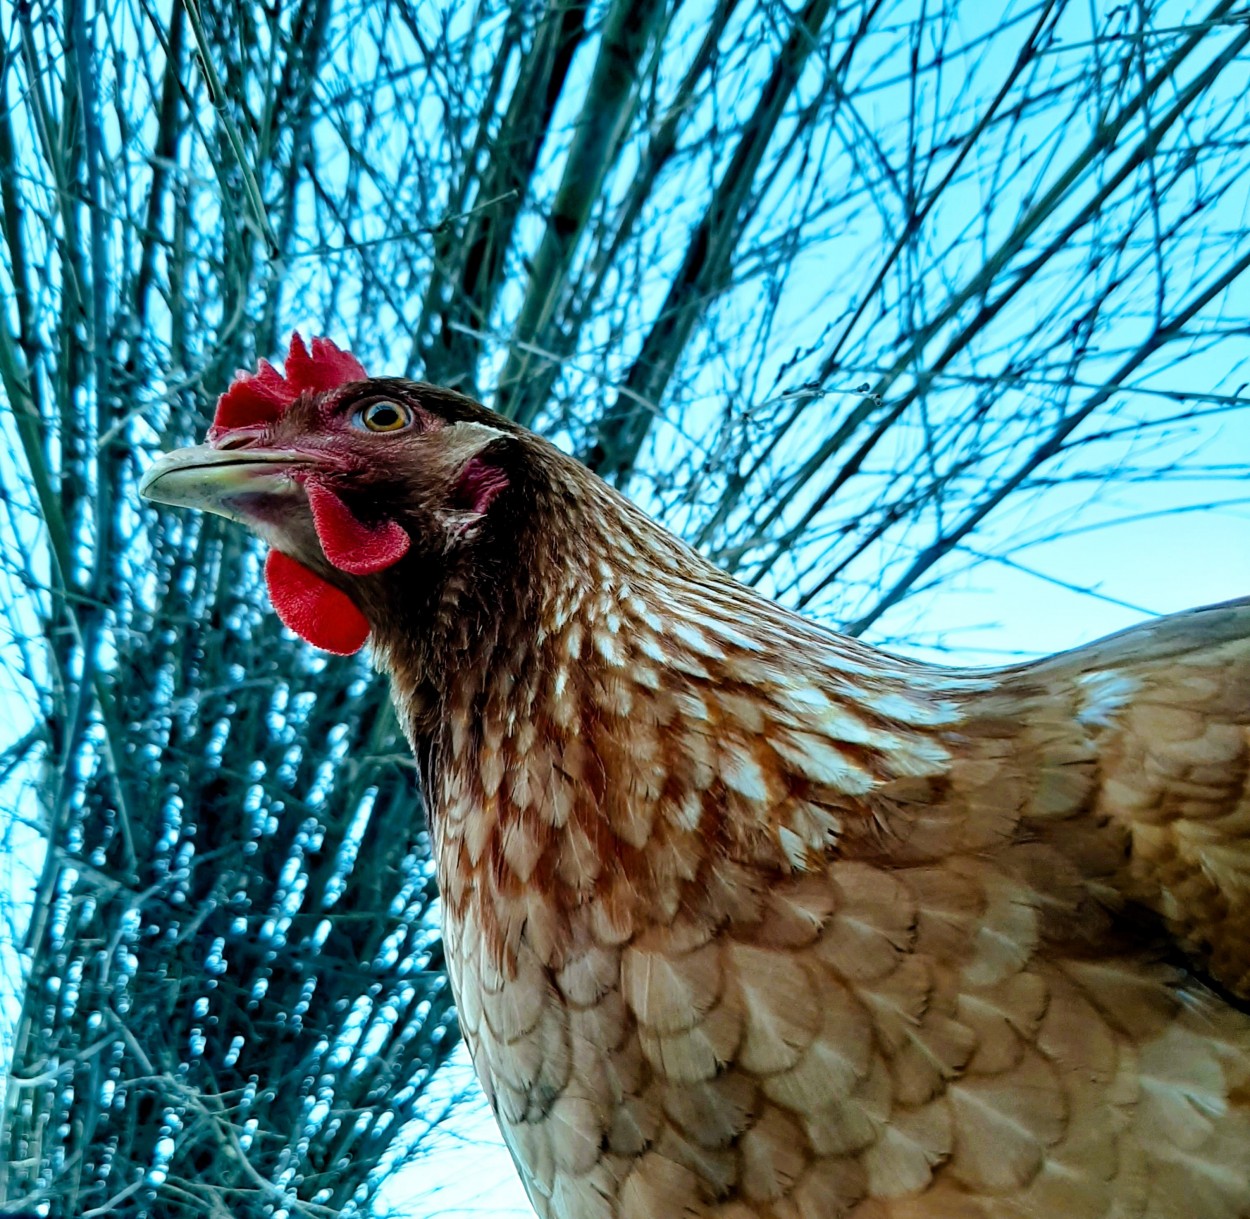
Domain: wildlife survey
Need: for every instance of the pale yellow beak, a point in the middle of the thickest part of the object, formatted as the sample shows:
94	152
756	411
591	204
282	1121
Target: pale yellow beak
224	481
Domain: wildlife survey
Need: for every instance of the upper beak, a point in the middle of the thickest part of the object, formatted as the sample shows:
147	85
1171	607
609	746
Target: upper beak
220	480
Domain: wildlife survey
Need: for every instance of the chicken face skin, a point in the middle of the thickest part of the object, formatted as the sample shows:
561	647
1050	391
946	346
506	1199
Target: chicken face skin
369	493
421	474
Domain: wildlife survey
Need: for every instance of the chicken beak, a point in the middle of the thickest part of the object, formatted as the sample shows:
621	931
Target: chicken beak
230	482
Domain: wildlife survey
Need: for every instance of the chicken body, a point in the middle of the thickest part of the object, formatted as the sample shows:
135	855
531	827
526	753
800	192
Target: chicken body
750	921
746	920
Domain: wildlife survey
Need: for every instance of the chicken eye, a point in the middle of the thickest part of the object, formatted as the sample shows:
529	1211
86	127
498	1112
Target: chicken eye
384	417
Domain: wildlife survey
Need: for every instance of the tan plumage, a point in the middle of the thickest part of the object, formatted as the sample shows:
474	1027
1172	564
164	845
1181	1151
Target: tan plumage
751	921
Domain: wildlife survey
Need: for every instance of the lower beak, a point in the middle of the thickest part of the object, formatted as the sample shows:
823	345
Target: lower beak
229	482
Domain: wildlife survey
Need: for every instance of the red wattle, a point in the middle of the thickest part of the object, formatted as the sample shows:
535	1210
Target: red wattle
316	611
350	544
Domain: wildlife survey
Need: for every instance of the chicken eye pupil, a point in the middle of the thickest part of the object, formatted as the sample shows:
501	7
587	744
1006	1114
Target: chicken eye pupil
384	417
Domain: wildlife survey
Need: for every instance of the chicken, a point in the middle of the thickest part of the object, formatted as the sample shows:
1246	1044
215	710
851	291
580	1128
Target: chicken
745	919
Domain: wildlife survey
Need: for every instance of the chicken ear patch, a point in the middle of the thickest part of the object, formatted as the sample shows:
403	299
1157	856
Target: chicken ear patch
350	544
316	611
480	482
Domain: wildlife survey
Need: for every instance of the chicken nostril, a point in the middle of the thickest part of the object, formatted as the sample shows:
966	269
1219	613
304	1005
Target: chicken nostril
238	438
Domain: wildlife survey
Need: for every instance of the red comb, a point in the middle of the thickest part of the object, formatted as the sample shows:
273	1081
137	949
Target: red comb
263	396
